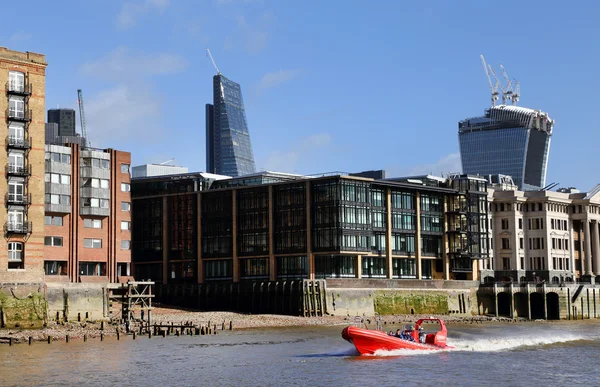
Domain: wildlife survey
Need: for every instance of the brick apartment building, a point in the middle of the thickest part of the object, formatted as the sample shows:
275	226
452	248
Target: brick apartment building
87	214
22	108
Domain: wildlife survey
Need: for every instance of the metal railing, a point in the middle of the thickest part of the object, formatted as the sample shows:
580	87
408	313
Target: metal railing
18	88
18	170
17	142
19	115
18	227
17	199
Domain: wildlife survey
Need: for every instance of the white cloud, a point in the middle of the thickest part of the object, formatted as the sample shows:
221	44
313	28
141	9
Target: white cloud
448	164
123	64
122	114
287	161
131	11
277	78
20	37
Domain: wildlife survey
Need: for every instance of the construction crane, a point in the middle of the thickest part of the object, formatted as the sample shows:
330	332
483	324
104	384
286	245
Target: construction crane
508	93
493	87
213	61
82	118
516	93
498	84
167	162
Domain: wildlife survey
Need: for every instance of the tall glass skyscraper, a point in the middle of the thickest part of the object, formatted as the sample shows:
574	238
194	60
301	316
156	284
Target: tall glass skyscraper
507	140
228	147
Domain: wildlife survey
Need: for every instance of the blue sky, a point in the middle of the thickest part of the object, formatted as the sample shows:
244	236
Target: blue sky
328	85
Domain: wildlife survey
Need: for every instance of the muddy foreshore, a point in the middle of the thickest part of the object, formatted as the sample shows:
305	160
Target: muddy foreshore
162	315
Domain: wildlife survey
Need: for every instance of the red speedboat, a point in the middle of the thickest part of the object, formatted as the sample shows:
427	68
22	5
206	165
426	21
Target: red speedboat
368	341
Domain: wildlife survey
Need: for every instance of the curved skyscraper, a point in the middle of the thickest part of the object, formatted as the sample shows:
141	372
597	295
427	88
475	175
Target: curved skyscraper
508	140
228	147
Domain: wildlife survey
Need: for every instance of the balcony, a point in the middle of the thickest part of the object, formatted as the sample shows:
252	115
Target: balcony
15	88
461	265
18	170
18	115
17	228
17	200
18	143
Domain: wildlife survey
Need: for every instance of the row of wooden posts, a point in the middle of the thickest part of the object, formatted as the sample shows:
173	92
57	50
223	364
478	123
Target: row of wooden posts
163	330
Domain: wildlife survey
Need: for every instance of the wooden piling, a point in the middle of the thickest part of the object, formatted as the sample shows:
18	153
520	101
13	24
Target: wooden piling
84	338
30	340
49	340
230	325
223	326
67	338
102	325
10	342
134	335
101	336
118	335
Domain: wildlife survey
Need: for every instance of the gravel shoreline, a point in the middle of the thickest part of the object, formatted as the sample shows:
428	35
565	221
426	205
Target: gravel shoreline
161	315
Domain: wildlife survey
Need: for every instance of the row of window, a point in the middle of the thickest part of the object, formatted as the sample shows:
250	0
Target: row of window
95	163
95	183
57	178
91	243
58	157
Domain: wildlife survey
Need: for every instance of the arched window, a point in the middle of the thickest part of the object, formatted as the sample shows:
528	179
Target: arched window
15	255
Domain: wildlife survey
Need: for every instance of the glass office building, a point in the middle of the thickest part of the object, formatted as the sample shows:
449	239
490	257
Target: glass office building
228	147
507	140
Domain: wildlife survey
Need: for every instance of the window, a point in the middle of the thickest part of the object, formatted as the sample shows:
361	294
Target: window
520	243
16	131
53	241
125	206
16	107
55	268
104	183
53	220
65	179
92	243
505	263
125	187
504	224
125	225
505	243
125	245
16	81
103	203
15	251
92	268
15	255
16	159
65	200
520	224
16	218
104	164
124	168
16	191
92	223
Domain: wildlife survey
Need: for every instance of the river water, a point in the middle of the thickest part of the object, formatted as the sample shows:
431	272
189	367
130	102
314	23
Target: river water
533	354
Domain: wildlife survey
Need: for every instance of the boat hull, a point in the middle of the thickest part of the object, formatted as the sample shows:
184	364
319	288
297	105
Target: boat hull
367	342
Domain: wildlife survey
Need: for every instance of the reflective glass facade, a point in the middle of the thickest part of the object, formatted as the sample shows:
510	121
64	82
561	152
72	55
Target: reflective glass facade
228	147
508	140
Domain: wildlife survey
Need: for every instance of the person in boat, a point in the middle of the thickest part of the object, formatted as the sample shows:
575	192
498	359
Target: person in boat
422	335
399	333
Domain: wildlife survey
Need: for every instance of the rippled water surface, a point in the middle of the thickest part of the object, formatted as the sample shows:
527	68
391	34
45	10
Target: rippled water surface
560	353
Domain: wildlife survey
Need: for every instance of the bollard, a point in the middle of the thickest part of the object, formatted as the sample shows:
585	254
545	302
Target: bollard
230	325
84	338
134	335
118	335
49	339
67	339
102	325
30	340
101	336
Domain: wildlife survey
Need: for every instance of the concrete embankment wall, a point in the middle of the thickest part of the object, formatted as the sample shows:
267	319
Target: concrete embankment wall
388	297
73	302
22	305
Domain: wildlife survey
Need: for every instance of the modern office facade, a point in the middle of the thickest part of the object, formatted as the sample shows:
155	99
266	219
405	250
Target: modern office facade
228	146
87	208
65	119
543	236
508	140
188	229
22	107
